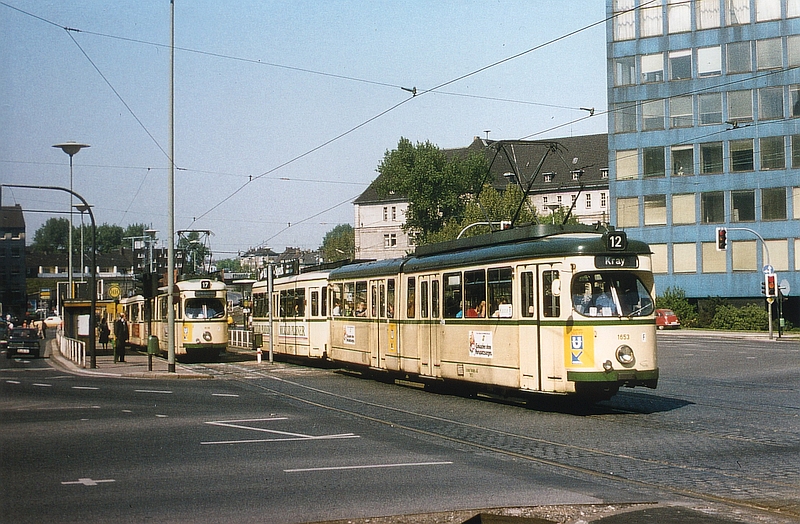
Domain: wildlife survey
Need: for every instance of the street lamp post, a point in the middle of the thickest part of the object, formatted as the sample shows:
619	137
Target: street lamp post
70	148
82	209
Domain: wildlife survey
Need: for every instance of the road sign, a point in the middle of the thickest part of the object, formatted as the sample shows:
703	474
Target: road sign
784	287
114	291
768	270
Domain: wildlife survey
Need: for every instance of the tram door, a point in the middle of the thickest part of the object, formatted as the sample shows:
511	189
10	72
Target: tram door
378	327
529	335
428	333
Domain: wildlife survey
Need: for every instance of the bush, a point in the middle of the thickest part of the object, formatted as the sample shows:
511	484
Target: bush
751	317
675	299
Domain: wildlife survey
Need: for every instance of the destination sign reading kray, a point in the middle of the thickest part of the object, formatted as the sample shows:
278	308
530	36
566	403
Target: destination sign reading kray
604	261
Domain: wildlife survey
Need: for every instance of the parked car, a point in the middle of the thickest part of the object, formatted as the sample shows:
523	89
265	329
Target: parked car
52	321
24	342
667	319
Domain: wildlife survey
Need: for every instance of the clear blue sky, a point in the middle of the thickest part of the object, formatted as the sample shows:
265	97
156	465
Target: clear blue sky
259	86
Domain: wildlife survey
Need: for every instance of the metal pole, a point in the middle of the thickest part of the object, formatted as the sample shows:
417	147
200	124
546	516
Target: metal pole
269	292
171	247
71	293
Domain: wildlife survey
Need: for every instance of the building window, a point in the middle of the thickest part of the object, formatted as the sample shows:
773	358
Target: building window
743	206
768	10
604	201
710	108
709	61
385	213
713	261
652	68
558	200
682	160
792	8
793	49
548	177
628	212
740	106
738	11
576	175
651	19
680	64
796	202
624	20
655	210
604	173
741	155
653	161
740	59
773	203
770	103
680	111
743	255
658	259
627	164
773	152
794	98
588	201
796	155
394	214
389	240
652	115
625	71
625	118
712	207
710	158
768	54
679	16
544	200
683	209
684	258
707	13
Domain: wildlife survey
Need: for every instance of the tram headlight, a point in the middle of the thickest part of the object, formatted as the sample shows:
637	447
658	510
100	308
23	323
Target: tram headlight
625	356
207	336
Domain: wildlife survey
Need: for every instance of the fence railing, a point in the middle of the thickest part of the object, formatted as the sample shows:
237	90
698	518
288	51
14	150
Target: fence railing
75	350
240	338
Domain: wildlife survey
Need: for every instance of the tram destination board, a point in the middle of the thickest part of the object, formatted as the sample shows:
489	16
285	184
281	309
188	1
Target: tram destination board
616	261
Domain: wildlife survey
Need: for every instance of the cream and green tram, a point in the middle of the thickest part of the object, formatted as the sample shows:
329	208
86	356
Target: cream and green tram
137	312
552	309
300	313
201	323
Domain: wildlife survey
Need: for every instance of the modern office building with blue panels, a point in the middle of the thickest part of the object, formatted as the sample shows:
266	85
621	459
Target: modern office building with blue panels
704	132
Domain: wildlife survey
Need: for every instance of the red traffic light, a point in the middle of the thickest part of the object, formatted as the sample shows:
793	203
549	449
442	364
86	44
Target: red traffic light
722	239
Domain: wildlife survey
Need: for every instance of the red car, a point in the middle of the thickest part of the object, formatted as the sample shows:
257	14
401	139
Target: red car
666	319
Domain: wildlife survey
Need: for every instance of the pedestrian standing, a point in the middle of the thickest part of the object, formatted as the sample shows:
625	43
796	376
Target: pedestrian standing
104	332
121	338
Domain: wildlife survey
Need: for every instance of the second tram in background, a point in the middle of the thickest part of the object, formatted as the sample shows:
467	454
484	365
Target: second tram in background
201	321
551	309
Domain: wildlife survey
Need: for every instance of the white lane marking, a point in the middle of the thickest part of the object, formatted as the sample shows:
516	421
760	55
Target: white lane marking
369	466
287	439
223	395
162	416
87	481
13	382
166	392
42	385
88	388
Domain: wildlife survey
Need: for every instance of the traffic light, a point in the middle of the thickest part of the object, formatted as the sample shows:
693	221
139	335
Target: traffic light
770	285
722	239
764	287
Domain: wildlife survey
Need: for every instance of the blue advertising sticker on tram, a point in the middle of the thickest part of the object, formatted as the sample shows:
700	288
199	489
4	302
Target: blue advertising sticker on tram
579	350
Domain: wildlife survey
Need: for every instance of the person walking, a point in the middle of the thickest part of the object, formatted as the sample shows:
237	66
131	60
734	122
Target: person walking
121	336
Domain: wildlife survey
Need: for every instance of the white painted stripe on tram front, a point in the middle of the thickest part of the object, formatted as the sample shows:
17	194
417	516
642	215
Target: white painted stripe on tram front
369	466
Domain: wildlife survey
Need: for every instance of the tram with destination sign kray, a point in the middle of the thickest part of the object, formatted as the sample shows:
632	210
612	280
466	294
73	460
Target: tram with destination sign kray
201	322
539	309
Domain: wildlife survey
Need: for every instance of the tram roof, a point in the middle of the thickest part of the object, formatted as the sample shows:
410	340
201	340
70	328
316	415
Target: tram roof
533	241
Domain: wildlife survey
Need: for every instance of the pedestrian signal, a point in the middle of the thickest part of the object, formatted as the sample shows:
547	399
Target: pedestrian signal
722	239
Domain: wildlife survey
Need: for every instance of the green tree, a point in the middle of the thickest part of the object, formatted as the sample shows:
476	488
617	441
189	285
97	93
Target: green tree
52	237
437	186
339	244
109	238
194	251
233	265
674	298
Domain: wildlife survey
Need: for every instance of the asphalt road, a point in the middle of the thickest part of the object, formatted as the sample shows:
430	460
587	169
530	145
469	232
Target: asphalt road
290	444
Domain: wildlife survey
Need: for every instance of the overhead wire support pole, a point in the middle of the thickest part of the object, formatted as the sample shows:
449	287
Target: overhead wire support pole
171	198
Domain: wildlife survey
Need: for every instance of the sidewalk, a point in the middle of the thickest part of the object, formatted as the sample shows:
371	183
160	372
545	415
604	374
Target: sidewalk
135	365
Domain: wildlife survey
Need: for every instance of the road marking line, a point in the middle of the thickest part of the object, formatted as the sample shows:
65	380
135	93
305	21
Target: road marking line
13	382
223	395
166	392
89	388
87	481
287	439
42	385
368	466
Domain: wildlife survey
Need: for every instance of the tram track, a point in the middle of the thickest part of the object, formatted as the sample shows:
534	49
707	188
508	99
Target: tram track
607	465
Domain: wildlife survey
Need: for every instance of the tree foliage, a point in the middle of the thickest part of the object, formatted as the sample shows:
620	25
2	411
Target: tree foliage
437	187
52	237
674	298
339	244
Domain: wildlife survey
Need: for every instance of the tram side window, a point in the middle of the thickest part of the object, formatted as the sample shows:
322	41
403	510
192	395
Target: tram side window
314	303
412	297
423	299
299	308
435	299
390	298
324	311
453	296
382	292
260	305
551	306
528	295
500	292
349	298
336	299
373	308
475	293
361	298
